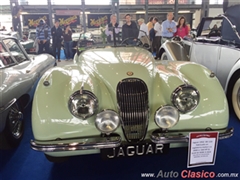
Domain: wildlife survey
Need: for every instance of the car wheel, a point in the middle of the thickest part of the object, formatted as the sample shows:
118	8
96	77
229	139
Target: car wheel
56	159
164	56
14	128
235	97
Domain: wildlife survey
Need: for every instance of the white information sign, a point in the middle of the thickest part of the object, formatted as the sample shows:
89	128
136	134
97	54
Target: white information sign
202	148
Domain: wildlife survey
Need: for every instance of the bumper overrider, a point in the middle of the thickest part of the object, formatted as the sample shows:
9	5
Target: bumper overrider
114	140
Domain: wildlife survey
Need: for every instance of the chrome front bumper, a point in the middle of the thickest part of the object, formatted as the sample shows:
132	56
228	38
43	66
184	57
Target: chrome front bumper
113	141
179	137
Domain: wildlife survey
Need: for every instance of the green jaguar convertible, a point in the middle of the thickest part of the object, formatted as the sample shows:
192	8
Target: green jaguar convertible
115	99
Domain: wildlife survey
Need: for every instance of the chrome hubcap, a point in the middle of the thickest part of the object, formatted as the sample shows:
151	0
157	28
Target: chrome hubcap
16	121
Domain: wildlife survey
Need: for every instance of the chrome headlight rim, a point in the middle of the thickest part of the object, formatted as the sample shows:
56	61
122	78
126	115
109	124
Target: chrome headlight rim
83	92
166	106
112	111
181	88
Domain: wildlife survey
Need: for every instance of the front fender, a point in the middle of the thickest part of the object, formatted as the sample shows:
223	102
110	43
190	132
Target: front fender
234	70
51	118
174	51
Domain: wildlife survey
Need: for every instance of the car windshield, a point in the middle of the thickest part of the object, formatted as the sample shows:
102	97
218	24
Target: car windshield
119	36
84	35
32	35
15	50
5	58
211	26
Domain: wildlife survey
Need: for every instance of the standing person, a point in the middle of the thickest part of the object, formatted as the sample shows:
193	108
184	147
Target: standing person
67	37
150	23
109	28
168	28
56	32
143	28
129	31
151	32
143	32
43	35
3	29
158	36
182	28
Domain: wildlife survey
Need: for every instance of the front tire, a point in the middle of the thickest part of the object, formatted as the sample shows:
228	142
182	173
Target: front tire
164	56
235	97
14	127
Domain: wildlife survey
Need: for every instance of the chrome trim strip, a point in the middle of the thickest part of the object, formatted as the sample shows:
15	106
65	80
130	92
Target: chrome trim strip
178	137
84	143
8	105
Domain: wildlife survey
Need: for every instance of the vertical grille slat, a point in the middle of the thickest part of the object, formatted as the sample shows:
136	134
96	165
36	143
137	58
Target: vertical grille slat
132	98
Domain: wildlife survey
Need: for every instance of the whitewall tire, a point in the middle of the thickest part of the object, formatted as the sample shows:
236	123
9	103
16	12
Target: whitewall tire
164	56
236	98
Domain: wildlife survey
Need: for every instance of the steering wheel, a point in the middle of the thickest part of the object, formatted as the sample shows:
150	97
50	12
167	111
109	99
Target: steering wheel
177	38
137	43
215	32
126	41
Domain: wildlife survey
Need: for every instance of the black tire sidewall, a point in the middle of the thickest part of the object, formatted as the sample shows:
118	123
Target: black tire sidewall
11	140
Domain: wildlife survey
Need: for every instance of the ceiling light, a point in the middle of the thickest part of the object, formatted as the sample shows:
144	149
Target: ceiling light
187	11
23	12
140	12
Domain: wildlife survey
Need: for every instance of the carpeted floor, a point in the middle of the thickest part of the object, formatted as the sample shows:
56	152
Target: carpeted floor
27	164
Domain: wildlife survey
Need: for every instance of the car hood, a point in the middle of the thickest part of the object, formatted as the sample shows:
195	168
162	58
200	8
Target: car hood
112	65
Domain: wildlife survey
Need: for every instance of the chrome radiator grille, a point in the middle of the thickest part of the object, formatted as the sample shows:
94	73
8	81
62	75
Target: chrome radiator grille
132	98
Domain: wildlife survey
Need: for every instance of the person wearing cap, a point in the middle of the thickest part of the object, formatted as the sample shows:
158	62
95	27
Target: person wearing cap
43	35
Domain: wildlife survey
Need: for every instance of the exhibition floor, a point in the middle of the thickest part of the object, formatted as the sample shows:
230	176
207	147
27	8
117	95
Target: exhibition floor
24	163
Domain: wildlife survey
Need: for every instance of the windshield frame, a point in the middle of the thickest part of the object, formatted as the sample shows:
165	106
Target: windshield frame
10	52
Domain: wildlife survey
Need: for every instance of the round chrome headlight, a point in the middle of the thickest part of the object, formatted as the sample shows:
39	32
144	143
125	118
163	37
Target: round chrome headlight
83	105
185	98
166	117
107	121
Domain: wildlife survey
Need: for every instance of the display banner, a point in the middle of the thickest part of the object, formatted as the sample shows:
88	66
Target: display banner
95	20
32	21
72	20
202	148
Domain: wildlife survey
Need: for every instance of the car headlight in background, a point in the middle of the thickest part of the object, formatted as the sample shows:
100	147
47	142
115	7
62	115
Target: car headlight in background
107	121
185	98
166	117
83	104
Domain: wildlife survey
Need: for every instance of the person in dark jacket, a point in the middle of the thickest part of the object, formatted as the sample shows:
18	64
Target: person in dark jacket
57	33
129	31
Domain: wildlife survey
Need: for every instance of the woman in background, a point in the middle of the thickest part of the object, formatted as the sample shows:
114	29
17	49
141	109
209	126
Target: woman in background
67	37
182	28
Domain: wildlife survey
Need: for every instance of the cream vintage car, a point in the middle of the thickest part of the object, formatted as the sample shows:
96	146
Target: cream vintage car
216	46
118	101
19	74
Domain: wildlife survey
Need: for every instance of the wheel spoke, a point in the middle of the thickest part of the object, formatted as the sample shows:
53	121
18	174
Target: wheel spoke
16	118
